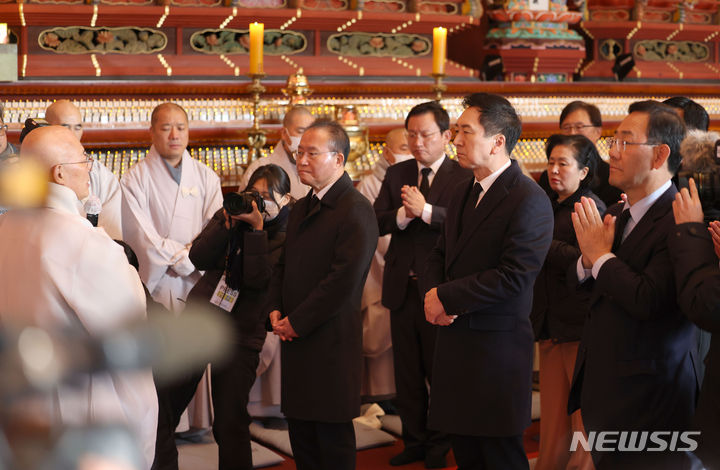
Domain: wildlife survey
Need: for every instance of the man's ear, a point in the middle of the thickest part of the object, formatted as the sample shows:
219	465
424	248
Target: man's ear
660	155
57	175
341	159
499	144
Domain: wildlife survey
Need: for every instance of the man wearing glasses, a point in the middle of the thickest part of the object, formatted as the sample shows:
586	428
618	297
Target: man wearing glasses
314	303
103	183
579	117
635	369
412	206
58	273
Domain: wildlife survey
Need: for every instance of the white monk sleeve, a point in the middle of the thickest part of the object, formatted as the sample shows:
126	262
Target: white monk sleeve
155	253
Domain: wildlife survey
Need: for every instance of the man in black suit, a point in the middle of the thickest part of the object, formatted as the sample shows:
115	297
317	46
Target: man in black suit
479	285
635	369
315	303
411	206
698	283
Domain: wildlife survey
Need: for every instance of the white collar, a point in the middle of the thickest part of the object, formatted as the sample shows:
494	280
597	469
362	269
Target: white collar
486	182
320	194
434	167
640	208
62	199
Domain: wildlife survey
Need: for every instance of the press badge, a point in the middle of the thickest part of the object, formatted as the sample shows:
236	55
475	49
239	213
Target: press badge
224	297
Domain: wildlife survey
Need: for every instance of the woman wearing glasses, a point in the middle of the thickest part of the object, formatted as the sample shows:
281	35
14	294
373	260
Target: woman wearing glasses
238	254
559	312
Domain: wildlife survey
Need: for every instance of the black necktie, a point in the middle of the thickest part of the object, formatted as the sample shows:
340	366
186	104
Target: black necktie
425	182
620	224
314	202
471	202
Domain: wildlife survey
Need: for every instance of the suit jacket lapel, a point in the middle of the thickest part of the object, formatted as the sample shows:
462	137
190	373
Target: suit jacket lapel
497	192
442	179
647	224
330	198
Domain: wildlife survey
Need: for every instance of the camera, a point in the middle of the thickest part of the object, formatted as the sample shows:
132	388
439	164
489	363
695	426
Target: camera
701	162
241	203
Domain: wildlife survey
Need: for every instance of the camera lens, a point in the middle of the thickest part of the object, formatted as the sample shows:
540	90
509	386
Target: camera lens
241	203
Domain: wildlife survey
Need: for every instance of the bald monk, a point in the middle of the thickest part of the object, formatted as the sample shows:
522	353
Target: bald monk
296	120
60	272
103	182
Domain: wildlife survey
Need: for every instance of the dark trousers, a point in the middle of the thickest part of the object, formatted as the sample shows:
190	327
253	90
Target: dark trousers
489	453
231	383
322	446
413	342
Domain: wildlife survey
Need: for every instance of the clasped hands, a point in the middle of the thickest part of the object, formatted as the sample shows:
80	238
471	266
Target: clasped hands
687	208
594	234
434	310
281	326
413	201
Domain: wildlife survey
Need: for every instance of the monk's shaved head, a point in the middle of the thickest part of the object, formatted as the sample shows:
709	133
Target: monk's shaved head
58	152
65	113
166	106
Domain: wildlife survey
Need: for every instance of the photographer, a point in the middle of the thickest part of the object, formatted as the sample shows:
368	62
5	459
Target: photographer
238	250
698	282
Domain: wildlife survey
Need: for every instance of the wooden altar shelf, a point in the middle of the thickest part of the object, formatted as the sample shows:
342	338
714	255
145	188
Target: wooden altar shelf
113	65
148	16
178	59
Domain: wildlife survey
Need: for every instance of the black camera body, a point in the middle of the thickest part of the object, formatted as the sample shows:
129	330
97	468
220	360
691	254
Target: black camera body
706	173
241	203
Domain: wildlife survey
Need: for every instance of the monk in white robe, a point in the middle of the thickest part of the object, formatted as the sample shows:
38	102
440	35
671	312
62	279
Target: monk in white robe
296	120
59	272
378	373
162	215
103	183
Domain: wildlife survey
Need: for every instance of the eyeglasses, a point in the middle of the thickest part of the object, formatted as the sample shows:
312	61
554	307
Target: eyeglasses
575	127
422	135
620	145
88	161
3	129
297	154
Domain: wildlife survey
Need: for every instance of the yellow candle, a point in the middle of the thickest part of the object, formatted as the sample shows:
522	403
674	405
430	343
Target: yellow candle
3	33
439	49
257	35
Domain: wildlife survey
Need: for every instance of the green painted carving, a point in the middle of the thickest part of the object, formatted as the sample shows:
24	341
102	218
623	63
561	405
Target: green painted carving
378	45
89	40
678	51
237	41
533	30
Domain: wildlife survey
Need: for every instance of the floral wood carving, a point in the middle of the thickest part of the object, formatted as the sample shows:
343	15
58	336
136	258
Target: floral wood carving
378	45
237	41
96	40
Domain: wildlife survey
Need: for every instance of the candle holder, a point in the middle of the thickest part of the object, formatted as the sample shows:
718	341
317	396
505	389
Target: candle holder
297	89
439	87
256	136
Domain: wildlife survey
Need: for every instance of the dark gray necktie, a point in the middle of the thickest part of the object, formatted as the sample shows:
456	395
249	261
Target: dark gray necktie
314	202
425	182
620	224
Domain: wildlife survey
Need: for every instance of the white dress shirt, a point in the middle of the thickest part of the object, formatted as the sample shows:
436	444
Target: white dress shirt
402	219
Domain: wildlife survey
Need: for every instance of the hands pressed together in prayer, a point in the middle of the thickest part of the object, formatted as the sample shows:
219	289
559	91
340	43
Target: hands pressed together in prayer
594	234
413	201
281	326
687	208
434	310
